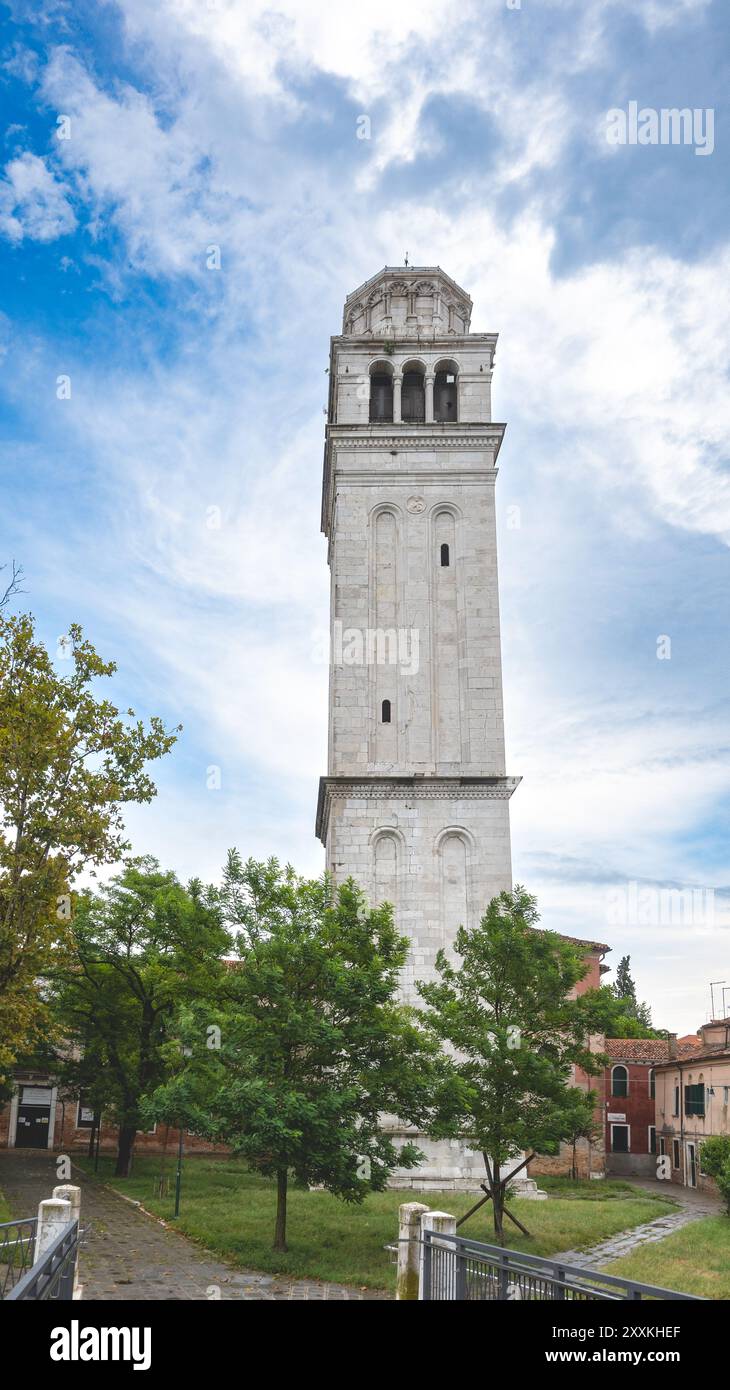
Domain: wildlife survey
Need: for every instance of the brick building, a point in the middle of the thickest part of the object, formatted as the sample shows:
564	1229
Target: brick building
40	1116
590	1159
630	1100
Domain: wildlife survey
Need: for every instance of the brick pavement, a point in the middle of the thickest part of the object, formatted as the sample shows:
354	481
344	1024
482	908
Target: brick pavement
129	1255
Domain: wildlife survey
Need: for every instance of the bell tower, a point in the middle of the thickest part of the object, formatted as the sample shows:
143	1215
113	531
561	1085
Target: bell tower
415	802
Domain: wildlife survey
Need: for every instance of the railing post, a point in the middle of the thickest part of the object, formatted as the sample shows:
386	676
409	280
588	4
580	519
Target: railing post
67	1192
409	1249
435	1282
53	1215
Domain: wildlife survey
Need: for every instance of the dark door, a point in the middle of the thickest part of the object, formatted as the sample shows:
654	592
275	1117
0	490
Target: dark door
32	1129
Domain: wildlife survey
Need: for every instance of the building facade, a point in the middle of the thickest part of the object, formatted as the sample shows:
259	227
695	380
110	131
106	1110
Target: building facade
41	1115
415	804
693	1103
629	1109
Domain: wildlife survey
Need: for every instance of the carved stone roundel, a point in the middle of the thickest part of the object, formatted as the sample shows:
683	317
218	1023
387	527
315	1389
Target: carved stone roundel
416	505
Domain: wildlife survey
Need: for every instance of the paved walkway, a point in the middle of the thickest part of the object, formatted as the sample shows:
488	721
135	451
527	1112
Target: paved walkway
128	1255
693	1206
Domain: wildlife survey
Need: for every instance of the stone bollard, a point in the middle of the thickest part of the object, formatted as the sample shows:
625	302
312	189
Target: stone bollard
67	1192
409	1249
53	1215
443	1270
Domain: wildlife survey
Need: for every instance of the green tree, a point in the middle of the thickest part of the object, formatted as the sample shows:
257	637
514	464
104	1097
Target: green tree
580	1123
68	763
142	946
505	1012
629	1015
716	1163
314	1045
624	987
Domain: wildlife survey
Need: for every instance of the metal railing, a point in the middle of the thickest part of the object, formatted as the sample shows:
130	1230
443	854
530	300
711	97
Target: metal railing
17	1241
457	1268
52	1278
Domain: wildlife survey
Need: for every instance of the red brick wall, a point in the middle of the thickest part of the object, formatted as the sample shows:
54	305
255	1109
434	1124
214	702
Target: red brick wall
638	1106
67	1138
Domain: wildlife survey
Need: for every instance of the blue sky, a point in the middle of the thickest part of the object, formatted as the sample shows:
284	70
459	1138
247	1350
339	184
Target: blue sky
197	395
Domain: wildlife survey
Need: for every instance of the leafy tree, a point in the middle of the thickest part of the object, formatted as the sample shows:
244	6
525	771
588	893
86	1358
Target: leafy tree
68	763
580	1124
515	1034
629	1015
314	1046
624	987
142	946
716	1163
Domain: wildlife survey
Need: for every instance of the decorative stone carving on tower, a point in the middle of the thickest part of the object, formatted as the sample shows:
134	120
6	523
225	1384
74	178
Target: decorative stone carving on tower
415	802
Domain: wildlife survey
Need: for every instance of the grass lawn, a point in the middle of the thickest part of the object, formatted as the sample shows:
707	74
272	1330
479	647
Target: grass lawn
4	1209
696	1259
230	1211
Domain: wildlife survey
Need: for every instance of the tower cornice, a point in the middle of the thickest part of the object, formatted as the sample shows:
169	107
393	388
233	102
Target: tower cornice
412	787
391	439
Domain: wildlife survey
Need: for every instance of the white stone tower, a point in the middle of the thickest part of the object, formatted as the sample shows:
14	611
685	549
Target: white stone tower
415	802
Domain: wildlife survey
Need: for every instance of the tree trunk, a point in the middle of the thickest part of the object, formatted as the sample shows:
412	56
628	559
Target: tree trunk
497	1199
127	1136
280	1231
575	1162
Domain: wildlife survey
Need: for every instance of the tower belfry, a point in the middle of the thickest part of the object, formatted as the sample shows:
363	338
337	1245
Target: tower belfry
415	802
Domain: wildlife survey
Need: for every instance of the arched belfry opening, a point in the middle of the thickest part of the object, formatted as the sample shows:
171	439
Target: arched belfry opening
446	393
413	394
381	394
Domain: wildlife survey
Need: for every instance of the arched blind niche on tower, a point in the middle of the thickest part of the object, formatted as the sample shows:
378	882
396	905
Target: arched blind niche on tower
446	653
383	658
385	849
453	856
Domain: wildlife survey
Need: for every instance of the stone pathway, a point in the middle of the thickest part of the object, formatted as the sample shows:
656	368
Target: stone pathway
129	1255
694	1205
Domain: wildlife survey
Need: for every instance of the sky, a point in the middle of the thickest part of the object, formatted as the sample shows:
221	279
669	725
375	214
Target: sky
185	201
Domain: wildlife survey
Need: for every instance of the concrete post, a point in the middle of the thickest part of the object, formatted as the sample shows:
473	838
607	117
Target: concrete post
67	1192
409	1249
53	1215
443	1286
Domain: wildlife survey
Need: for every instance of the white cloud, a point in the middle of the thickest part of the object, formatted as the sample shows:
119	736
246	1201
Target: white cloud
33	202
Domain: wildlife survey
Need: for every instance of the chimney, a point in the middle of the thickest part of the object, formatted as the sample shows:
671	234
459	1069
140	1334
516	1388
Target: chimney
672	1045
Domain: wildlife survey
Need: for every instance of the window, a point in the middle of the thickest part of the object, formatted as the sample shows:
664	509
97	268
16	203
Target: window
694	1099
386	712
444	396
381	398
652	1139
675	1153
619	1139
413	398
84	1114
619	1081
652	1084
676	1101
445	556
662	1145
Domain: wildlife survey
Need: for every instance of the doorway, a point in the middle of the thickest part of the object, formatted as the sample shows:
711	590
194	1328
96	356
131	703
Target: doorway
34	1117
691	1176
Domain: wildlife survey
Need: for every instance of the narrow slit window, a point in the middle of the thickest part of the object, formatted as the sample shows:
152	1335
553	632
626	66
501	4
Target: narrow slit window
445	556
386	712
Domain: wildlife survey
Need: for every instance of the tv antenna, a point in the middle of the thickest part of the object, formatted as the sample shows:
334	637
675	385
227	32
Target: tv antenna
712	995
